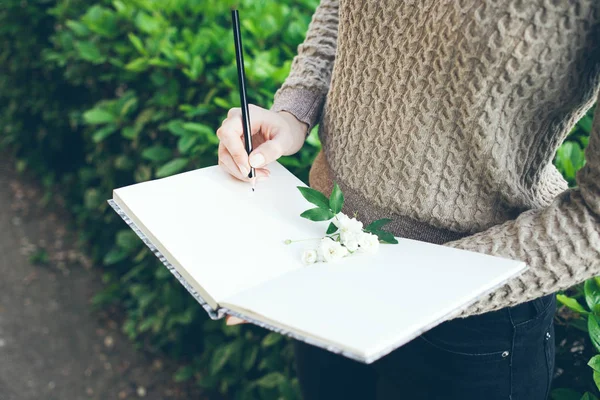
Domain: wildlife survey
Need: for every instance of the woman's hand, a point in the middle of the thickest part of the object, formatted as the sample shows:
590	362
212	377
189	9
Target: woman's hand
274	134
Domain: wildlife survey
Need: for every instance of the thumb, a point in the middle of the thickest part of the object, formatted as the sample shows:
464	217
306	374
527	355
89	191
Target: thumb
231	320
267	152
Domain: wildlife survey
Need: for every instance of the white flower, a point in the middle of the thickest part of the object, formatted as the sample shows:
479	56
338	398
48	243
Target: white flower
347	224
368	243
309	256
330	250
350	240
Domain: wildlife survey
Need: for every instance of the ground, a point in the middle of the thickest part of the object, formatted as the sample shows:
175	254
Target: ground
52	345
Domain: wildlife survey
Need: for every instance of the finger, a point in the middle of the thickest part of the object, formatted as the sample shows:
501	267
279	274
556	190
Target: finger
232	140
235	111
227	160
231	167
232	173
231	320
231	132
269	151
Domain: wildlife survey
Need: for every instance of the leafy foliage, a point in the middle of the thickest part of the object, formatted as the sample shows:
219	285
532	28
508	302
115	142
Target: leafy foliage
584	304
100	94
568	160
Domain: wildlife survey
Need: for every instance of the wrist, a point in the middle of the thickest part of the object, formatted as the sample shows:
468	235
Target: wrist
297	127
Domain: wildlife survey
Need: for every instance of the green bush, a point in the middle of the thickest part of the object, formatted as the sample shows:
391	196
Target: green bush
578	321
116	92
101	94
33	94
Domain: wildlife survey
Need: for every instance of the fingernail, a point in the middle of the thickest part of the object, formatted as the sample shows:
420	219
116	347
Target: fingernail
257	160
234	320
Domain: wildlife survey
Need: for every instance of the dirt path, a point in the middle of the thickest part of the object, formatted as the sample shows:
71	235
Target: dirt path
52	346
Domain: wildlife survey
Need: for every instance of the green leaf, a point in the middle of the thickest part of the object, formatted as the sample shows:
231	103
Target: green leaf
128	106
336	200
172	167
146	23
594	331
183	374
92	198
137	65
376	225
385	236
103	133
580	324
182	56
157	153
565	394
98	116
129	132
315	197
588	396
78	28
585	123
89	52
137	43
250	358
127	240
101	20
176	127
197	67
200	128
596	377
571	303
220	357
317	214
594	363
270	380
331	228
114	256
186	142
271	339
592	294
222	102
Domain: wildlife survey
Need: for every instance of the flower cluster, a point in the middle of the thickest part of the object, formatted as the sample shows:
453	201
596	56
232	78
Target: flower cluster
345	235
351	238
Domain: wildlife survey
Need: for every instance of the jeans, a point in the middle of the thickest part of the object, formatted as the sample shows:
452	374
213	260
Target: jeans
504	354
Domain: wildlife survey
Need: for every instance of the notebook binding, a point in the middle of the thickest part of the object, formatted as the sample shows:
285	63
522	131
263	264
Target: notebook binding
212	313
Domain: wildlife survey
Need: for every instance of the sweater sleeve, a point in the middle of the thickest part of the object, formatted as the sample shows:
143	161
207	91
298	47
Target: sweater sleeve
304	90
559	242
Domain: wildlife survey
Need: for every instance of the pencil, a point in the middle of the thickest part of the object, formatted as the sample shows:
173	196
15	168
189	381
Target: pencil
239	59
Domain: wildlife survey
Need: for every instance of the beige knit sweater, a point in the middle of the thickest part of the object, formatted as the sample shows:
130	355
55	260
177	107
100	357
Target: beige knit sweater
445	115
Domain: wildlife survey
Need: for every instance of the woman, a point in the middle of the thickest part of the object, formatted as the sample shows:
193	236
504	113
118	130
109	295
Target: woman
445	116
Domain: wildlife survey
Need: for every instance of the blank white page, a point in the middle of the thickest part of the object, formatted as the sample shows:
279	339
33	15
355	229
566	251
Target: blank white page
226	237
371	304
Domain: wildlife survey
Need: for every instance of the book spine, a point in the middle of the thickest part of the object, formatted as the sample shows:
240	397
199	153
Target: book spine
212	313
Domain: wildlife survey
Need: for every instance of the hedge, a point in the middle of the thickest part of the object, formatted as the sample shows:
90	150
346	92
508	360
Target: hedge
101	94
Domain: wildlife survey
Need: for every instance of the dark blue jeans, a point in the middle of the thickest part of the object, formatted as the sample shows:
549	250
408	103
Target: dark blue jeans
504	354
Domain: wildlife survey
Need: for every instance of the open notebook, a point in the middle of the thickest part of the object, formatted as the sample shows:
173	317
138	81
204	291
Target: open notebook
225	244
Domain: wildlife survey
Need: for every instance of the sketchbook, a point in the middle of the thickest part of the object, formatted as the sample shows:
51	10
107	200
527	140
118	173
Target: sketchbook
225	244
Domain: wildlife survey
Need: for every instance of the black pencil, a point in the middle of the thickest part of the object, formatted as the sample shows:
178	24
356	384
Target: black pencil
239	59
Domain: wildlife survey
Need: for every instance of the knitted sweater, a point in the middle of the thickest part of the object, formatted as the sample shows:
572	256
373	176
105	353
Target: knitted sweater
445	116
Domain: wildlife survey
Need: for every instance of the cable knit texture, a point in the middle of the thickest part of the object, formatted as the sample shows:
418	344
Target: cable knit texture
446	114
